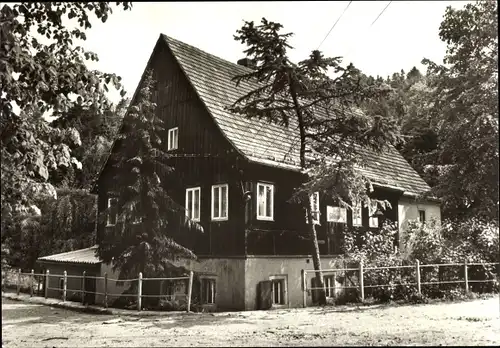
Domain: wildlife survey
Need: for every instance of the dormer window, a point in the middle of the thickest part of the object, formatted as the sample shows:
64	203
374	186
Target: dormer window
173	139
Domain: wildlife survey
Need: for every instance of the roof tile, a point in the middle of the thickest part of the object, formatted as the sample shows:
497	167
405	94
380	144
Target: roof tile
266	143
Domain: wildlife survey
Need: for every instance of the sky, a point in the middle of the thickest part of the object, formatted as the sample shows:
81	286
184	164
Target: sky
405	33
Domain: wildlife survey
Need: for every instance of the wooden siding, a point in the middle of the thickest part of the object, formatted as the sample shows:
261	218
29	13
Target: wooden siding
288	233
203	158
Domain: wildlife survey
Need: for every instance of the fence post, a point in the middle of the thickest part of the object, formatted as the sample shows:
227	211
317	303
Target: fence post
106	289
466	276
46	287
190	291
361	281
83	287
417	269
18	280
139	292
304	288
65	285
32	282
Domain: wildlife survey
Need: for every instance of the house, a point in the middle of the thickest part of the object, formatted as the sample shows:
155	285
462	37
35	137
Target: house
237	175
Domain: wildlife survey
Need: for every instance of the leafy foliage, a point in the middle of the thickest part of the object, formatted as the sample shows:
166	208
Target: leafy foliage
466	105
61	225
142	239
42	70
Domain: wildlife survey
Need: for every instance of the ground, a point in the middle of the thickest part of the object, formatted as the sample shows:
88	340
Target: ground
465	323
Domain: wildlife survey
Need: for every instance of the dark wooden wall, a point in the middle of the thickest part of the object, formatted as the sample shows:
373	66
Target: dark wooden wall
288	233
205	158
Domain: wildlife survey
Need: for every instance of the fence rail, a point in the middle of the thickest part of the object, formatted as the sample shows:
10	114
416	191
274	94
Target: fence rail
28	280
417	267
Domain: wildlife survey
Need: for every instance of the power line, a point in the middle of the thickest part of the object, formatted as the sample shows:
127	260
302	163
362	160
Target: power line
335	24
380	14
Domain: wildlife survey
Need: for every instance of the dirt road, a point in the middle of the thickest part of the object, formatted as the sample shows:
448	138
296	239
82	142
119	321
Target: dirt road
466	323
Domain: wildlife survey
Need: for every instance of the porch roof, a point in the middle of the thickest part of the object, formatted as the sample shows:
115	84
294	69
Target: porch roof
86	256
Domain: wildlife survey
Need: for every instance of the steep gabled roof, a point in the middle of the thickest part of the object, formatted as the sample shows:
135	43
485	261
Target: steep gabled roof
266	143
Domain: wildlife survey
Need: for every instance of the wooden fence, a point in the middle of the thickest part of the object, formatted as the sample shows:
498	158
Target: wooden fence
418	270
37	284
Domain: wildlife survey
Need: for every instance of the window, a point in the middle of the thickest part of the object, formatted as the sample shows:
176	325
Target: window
278	290
372	209
173	138
219	202
167	289
329	285
265	201
336	214
208	290
193	203
421	216
357	214
112	211
314	200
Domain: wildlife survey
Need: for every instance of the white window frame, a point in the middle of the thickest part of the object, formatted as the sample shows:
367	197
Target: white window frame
357	222
282	279
265	217
218	189
372	208
192	191
173	139
108	223
342	213
329	288
315	210
425	217
211	280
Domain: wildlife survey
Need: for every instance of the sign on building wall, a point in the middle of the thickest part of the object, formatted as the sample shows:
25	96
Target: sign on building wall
336	214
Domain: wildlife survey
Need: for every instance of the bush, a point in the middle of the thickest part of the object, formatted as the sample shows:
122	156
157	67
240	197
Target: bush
452	242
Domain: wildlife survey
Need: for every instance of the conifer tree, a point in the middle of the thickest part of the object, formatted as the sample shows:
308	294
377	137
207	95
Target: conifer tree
142	239
332	133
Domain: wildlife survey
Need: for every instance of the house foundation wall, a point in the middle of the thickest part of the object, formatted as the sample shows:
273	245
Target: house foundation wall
262	268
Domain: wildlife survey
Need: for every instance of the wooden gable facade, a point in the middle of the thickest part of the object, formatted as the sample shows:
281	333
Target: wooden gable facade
217	148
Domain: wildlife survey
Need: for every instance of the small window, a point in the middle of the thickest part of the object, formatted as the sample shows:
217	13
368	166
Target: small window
278	291
219	202
329	285
356	214
265	201
421	216
208	290
112	211
315	212
373	221
193	203
336	214
173	138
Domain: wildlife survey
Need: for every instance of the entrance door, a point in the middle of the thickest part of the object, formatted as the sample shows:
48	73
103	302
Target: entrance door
90	288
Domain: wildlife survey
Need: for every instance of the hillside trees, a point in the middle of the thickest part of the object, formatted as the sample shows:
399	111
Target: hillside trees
466	105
